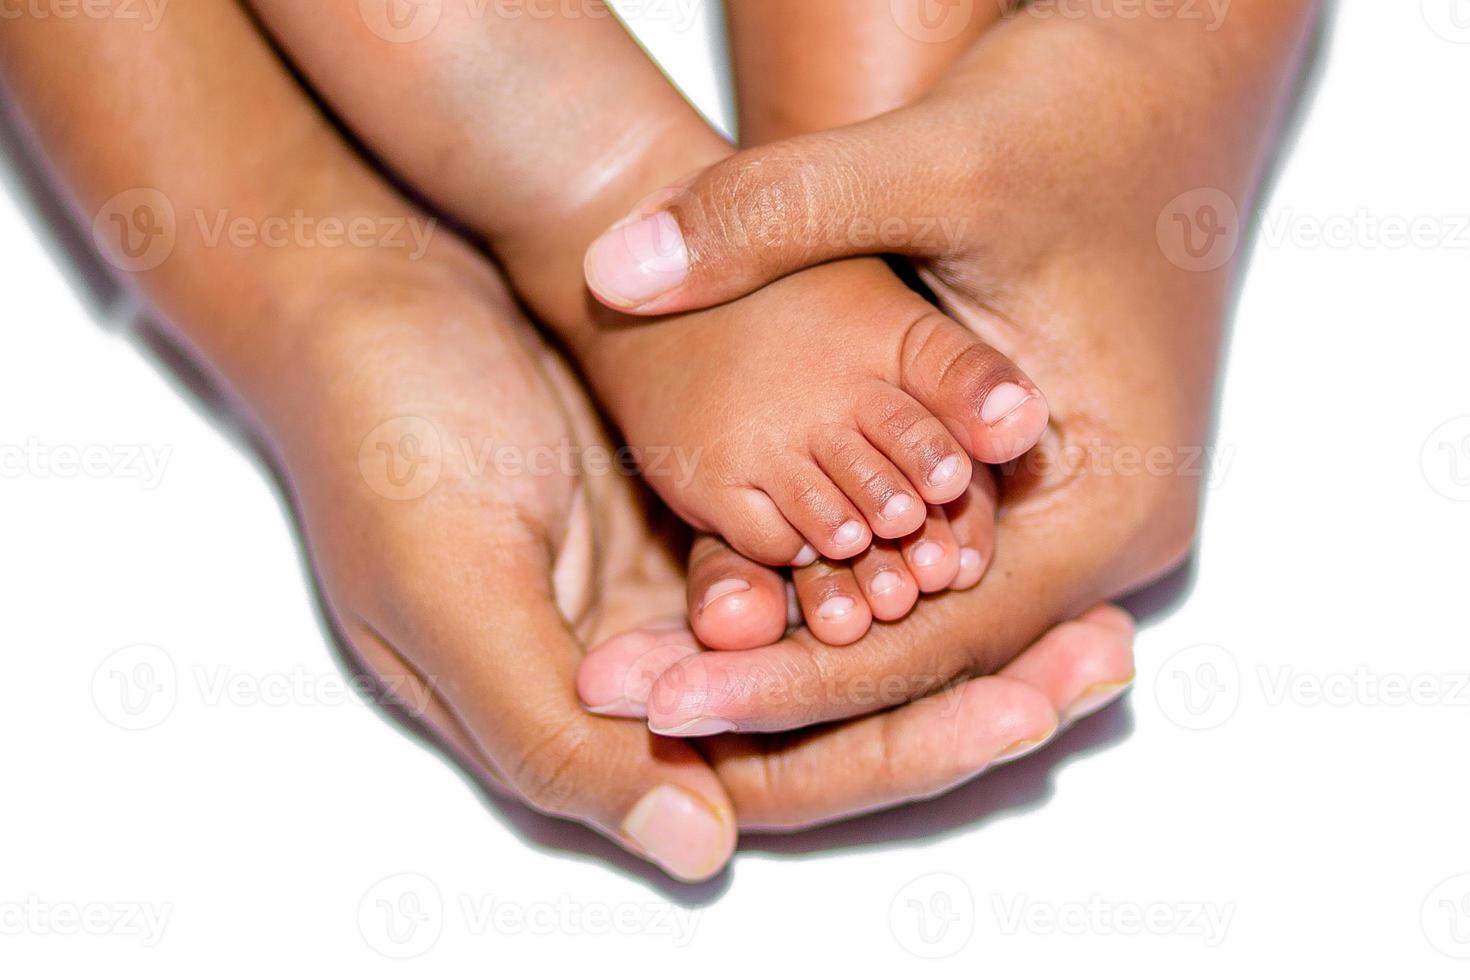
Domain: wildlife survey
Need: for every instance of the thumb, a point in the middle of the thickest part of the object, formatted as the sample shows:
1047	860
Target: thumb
498	688
764	213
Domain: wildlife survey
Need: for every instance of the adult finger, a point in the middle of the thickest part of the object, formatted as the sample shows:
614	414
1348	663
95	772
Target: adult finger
884	186
913	751
1089	663
921	749
507	680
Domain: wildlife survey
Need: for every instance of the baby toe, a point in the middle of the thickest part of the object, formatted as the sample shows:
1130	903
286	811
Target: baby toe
832	603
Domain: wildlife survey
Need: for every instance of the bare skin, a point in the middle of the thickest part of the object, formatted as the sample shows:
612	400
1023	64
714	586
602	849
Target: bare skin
473	600
822	64
824	411
802	68
1074	184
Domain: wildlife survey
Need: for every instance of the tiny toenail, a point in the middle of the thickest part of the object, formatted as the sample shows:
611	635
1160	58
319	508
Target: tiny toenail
724	587
1003	402
928	553
945	471
837	607
805	556
969	560
896	506
885	582
848	534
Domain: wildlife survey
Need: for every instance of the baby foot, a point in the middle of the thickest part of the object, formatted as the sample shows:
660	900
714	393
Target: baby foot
805	420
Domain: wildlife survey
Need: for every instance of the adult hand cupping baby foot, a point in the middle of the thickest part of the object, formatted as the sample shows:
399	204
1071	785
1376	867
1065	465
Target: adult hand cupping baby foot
1040	213
468	585
489	586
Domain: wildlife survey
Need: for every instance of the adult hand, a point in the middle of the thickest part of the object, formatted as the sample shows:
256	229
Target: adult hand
389	385
471	585
1037	188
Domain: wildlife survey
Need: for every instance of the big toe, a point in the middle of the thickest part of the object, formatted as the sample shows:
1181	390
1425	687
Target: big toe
989	404
734	603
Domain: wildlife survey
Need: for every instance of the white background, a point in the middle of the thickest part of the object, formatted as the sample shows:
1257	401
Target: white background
1267	798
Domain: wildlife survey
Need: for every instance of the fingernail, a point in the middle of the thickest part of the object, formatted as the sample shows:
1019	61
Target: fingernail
1024	747
848	534
679	832
621	708
1094	699
638	261
885	582
927	553
1002	401
698	728
945	471
970	560
722	588
836	608
805	556
896	506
